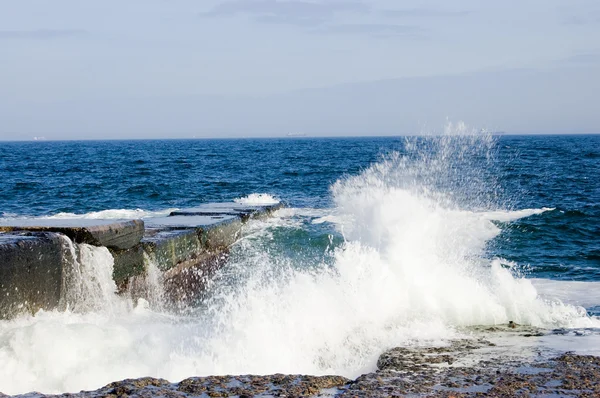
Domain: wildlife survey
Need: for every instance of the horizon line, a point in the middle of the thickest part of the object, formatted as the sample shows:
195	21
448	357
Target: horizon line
294	137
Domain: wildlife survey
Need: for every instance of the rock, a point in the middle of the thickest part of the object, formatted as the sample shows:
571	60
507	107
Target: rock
186	283
128	263
245	212
187	246
31	266
568	375
214	232
121	235
112	234
171	247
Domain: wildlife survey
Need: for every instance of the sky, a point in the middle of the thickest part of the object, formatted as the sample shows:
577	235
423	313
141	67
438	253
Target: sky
72	69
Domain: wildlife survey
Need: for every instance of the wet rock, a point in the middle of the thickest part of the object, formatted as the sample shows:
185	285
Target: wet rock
185	284
171	247
127	264
277	385
31	266
112	234
242	211
568	375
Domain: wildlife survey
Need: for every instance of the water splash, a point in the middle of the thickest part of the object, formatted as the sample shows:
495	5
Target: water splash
148	289
257	199
88	284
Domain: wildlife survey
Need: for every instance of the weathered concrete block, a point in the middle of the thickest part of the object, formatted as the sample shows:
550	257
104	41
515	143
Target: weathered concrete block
119	235
109	233
245	212
214	232
171	247
188	221
127	263
220	236
186	283
31	266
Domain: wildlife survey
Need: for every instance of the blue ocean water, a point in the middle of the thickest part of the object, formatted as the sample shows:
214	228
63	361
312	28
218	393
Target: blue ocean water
561	173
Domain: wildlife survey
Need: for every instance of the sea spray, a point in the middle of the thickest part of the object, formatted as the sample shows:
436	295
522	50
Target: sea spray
148	289
408	264
413	268
257	199
154	282
87	278
88	284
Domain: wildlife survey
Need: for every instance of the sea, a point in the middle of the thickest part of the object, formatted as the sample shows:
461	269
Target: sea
382	242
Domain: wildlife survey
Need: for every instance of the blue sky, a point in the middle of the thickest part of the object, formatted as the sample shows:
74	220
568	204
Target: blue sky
159	68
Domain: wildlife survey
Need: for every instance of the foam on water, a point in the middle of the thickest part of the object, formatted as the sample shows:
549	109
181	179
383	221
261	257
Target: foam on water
115	214
102	215
585	294
256	199
413	269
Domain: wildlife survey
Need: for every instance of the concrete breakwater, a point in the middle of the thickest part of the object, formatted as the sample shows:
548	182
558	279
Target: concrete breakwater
187	247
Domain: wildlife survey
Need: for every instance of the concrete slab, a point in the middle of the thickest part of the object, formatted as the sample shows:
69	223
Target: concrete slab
188	221
172	247
227	208
30	272
214	232
116	234
127	263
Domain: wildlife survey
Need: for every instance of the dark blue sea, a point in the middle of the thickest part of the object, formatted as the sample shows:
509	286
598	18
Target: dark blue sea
383	242
511	173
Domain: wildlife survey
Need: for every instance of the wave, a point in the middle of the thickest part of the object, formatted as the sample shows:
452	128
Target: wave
508	216
102	215
411	269
256	199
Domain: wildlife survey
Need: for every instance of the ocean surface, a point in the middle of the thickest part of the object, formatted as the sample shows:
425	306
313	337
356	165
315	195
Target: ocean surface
383	242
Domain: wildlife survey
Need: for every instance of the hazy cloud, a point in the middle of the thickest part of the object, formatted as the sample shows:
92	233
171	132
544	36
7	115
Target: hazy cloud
581	20
40	34
375	30
424	13
286	12
583	59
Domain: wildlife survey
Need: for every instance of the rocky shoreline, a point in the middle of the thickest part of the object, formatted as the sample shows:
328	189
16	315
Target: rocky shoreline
469	367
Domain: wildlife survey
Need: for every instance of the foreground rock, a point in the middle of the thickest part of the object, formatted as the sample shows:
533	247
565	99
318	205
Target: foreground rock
278	385
464	368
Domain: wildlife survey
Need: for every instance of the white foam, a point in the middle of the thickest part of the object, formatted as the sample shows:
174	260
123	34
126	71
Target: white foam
256	199
585	294
100	215
579	341
508	216
88	284
113	214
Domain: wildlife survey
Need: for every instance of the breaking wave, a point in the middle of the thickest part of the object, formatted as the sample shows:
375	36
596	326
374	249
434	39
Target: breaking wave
257	199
